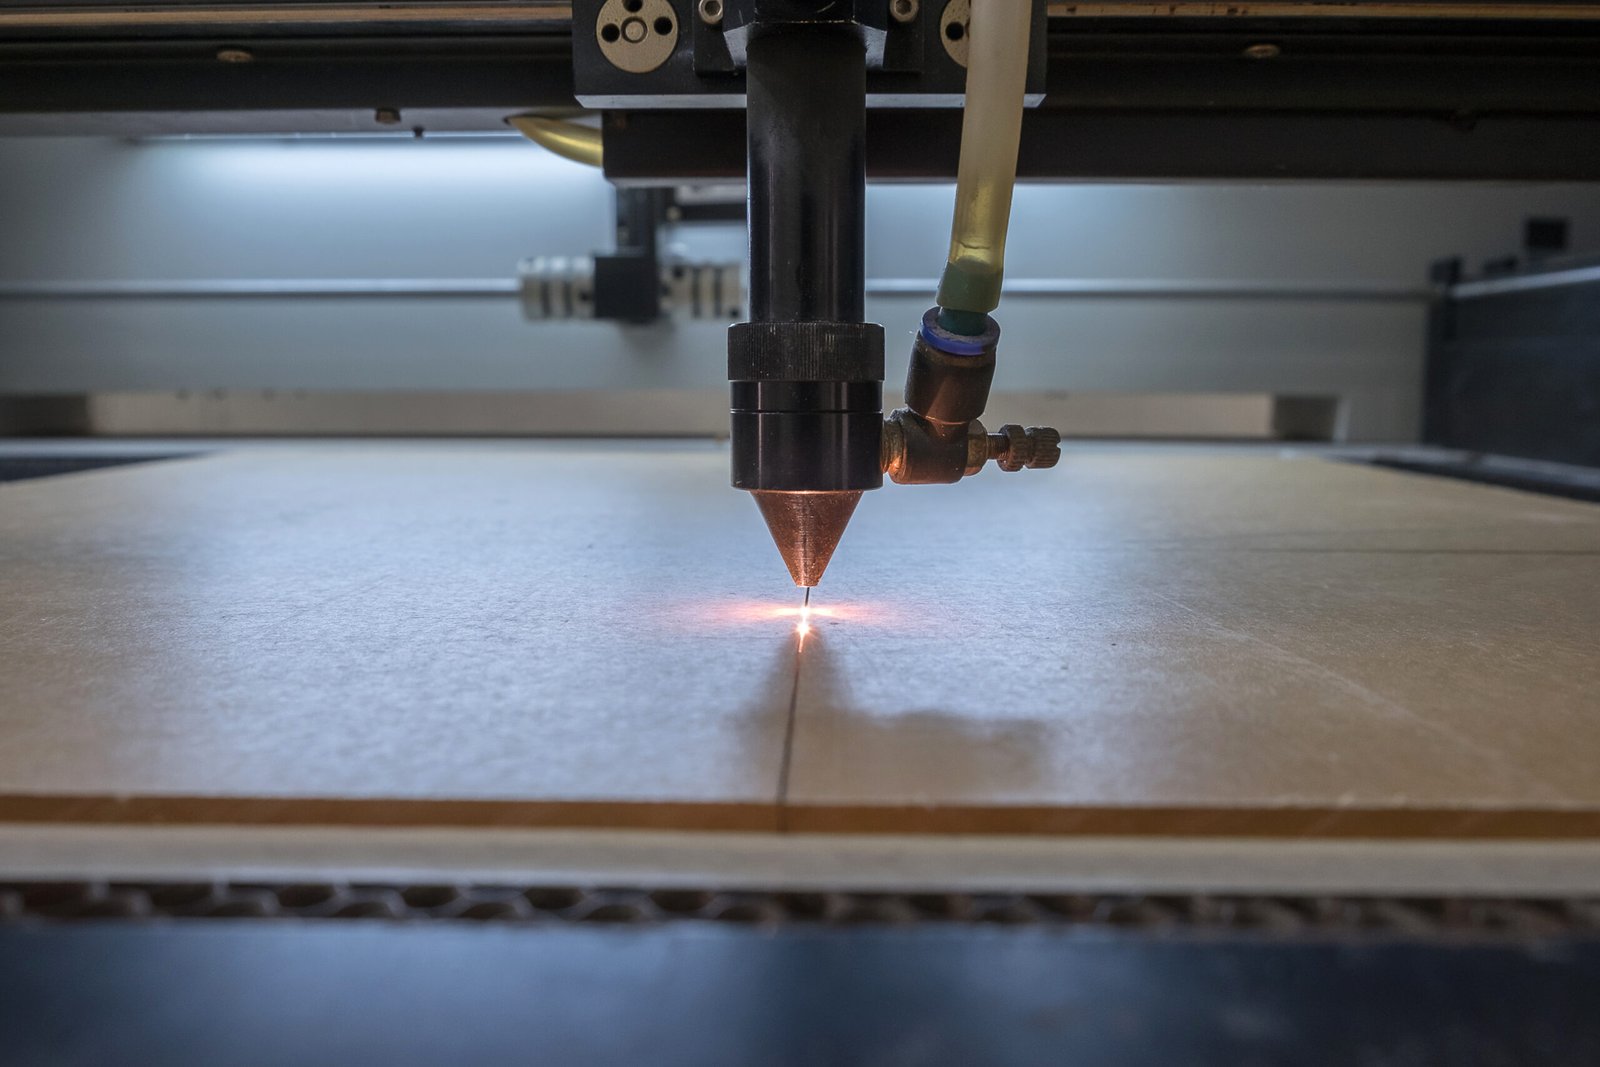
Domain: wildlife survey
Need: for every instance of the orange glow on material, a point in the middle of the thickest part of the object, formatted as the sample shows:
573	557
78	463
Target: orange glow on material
807	614
711	616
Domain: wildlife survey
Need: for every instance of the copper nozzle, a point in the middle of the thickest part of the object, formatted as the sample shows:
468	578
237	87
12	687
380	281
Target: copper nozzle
806	526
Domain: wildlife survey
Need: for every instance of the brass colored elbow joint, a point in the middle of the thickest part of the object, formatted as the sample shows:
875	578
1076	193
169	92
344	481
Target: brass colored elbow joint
937	438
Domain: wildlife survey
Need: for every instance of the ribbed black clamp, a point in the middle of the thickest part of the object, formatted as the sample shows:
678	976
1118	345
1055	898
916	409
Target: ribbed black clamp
805	352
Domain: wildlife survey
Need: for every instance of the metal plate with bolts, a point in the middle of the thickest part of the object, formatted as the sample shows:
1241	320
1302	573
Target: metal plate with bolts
953	26
637	35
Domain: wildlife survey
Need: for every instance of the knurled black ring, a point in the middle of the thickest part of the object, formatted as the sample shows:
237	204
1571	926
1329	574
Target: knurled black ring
805	352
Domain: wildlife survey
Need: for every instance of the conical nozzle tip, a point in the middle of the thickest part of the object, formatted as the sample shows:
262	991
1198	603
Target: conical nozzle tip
806	528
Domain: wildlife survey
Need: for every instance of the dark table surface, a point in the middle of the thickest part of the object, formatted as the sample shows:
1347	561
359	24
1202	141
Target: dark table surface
287	992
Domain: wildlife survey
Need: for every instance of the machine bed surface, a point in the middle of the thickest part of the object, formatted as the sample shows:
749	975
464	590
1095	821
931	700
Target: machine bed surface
1159	642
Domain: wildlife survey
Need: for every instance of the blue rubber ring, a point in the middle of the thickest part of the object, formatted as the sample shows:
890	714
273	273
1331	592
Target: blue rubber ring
955	344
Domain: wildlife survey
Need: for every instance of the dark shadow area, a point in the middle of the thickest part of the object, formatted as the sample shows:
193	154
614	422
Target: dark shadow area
770	710
1508	474
21	468
368	993
970	754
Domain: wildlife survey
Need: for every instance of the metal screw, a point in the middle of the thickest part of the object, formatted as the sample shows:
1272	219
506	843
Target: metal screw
711	12
234	55
1036	447
904	10
386	116
1264	50
1046	447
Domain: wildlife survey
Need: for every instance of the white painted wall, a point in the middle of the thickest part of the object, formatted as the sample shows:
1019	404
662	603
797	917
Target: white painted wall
107	209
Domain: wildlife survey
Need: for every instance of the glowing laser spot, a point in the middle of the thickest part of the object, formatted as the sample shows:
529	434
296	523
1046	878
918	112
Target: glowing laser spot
803	627
806	613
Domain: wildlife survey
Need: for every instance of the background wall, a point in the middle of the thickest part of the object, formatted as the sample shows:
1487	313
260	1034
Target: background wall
208	209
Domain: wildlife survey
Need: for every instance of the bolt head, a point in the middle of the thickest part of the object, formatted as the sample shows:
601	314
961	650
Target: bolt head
904	10
710	12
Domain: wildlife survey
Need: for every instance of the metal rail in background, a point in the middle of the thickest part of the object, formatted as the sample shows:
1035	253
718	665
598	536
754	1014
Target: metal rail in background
1176	289
555	14
1321	9
505	288
268	289
1519	283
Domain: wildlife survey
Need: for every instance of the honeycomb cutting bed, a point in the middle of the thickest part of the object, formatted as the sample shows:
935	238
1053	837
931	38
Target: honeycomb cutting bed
1139	642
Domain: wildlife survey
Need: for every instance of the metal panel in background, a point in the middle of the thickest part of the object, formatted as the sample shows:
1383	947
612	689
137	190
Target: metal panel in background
1514	365
653	146
1192	90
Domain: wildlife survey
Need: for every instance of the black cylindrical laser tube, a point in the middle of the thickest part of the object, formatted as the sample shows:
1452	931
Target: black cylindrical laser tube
806	372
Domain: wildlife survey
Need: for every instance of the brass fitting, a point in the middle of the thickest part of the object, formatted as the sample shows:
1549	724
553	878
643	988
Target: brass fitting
917	451
920	451
937	438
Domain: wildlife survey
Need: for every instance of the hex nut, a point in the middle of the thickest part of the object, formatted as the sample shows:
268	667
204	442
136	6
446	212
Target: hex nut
1016	447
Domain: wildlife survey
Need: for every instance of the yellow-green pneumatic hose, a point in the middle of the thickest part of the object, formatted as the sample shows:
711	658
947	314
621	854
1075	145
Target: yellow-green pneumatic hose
991	126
